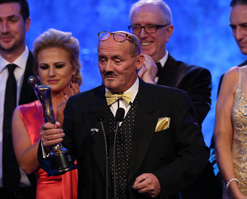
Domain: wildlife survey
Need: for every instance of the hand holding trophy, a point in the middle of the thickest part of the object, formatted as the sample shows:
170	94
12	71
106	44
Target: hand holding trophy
60	160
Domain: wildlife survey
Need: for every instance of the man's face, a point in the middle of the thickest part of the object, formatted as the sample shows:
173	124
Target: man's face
117	66
238	23
152	44
13	28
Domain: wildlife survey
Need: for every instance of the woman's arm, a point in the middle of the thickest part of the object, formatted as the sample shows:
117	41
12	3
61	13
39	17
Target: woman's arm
26	153
223	132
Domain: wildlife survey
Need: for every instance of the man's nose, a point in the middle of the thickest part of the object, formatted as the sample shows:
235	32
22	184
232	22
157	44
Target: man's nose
239	32
143	33
4	27
108	66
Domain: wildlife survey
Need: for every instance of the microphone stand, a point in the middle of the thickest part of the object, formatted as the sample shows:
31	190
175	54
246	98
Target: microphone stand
106	156
119	118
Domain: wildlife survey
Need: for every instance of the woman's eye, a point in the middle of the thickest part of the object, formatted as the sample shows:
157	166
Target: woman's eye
60	66
44	67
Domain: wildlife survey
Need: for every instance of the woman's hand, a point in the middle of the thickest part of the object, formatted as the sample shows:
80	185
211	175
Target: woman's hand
72	89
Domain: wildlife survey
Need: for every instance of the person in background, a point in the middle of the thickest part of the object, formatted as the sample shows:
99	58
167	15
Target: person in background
230	118
151	22
57	65
131	139
16	65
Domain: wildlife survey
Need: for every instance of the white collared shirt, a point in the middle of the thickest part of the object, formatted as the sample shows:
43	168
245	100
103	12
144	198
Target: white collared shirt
19	75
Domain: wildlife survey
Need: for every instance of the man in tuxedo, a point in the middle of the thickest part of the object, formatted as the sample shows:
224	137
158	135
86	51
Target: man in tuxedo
151	22
14	23
131	139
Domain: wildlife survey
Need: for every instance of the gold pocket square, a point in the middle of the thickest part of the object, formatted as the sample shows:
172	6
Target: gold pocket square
162	124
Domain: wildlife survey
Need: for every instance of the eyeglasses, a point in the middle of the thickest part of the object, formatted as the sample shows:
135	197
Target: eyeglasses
149	28
117	36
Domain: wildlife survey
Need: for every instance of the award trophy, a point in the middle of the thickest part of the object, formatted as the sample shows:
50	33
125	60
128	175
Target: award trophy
60	160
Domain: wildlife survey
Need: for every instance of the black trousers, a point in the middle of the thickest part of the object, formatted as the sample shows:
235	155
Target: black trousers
20	193
206	186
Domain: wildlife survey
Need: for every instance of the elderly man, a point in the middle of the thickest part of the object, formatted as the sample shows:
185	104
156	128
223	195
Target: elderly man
151	22
131	139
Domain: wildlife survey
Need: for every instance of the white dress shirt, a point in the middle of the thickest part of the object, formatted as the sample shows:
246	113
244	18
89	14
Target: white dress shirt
19	75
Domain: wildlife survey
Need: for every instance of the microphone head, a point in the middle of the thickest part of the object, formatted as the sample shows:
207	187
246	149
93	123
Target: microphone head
120	115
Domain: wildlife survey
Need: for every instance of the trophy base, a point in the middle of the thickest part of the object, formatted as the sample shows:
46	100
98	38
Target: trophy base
60	164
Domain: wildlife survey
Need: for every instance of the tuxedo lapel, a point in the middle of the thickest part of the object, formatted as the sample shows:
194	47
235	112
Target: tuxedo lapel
95	113
168	73
243	64
144	128
27	93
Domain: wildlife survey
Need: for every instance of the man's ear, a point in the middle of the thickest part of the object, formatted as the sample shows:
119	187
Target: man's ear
169	31
140	61
27	24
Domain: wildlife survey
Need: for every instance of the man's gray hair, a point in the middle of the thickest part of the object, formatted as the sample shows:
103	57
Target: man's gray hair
166	11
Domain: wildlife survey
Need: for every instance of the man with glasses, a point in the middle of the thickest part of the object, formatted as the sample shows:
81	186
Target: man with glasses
131	139
151	22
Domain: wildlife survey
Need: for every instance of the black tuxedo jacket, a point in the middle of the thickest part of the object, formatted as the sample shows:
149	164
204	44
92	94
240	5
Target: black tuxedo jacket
176	155
195	80
27	93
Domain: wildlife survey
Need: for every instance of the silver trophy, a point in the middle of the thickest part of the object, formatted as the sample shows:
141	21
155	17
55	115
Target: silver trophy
60	160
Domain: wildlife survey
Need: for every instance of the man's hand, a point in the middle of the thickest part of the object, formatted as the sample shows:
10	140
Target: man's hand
147	184
51	134
148	70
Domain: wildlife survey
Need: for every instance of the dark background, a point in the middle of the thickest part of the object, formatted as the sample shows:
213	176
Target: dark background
202	35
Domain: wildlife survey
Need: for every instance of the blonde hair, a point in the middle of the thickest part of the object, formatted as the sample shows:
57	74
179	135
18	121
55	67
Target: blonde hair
60	39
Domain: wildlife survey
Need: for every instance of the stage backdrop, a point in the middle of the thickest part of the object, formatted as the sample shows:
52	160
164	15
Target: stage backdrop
202	35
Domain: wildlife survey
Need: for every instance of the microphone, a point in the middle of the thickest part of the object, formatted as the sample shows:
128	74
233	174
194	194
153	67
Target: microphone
119	118
100	118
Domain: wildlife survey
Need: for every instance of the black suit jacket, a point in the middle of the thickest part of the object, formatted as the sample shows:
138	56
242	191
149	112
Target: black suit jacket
195	80
27	93
175	155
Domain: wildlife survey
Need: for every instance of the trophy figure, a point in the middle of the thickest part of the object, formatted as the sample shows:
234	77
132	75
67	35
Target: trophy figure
60	160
